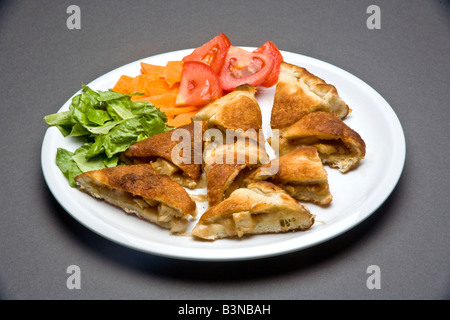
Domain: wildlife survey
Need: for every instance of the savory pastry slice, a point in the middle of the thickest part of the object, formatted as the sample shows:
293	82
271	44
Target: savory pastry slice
260	208
138	189
338	145
300	173
176	153
222	179
237	110
299	92
227	165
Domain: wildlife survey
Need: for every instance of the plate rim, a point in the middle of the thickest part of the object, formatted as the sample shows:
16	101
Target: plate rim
246	253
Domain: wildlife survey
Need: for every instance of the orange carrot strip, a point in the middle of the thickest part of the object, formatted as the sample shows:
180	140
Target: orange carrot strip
149	87
124	85
156	71
166	99
157	87
172	72
181	119
139	84
170	112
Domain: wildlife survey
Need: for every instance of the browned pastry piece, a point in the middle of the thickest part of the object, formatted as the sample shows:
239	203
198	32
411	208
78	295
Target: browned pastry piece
260	208
159	150
227	165
238	110
299	92
237	118
300	173
338	145
139	189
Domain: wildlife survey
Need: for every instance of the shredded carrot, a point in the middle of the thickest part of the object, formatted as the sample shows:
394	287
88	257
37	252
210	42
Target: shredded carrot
150	87
166	99
181	119
170	112
159	85
172	72
157	72
124	84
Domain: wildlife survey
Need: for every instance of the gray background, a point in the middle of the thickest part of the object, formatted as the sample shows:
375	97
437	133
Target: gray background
407	61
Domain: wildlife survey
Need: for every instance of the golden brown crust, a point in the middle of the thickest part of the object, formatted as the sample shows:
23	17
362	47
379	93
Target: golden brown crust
300	165
260	208
226	166
299	92
319	127
324	124
238	109
161	145
218	178
144	181
245	200
299	172
242	150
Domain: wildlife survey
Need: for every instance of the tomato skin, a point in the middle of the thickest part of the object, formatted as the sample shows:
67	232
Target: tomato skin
212	53
199	85
269	49
244	67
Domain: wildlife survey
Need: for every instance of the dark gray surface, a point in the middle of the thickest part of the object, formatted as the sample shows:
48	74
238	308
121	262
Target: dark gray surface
407	61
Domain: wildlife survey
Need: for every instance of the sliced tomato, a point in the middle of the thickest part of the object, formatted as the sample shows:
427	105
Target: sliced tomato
244	67
212	53
269	49
199	85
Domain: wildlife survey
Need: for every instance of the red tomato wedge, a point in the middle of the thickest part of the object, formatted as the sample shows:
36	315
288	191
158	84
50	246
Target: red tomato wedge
199	85
212	53
243	67
269	49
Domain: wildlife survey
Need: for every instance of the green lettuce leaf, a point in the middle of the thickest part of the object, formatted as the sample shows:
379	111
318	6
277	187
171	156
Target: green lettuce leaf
87	164
67	165
119	109
109	122
59	119
96	115
109	95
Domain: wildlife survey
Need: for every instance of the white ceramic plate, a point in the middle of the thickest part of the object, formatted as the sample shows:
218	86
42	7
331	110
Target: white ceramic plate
356	194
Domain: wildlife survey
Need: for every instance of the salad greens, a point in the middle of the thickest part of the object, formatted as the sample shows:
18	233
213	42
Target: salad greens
108	123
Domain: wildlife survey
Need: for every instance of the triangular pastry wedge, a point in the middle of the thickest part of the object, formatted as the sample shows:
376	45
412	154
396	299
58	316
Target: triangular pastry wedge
338	145
300	173
299	92
140	190
159	150
238	110
260	208
227	165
